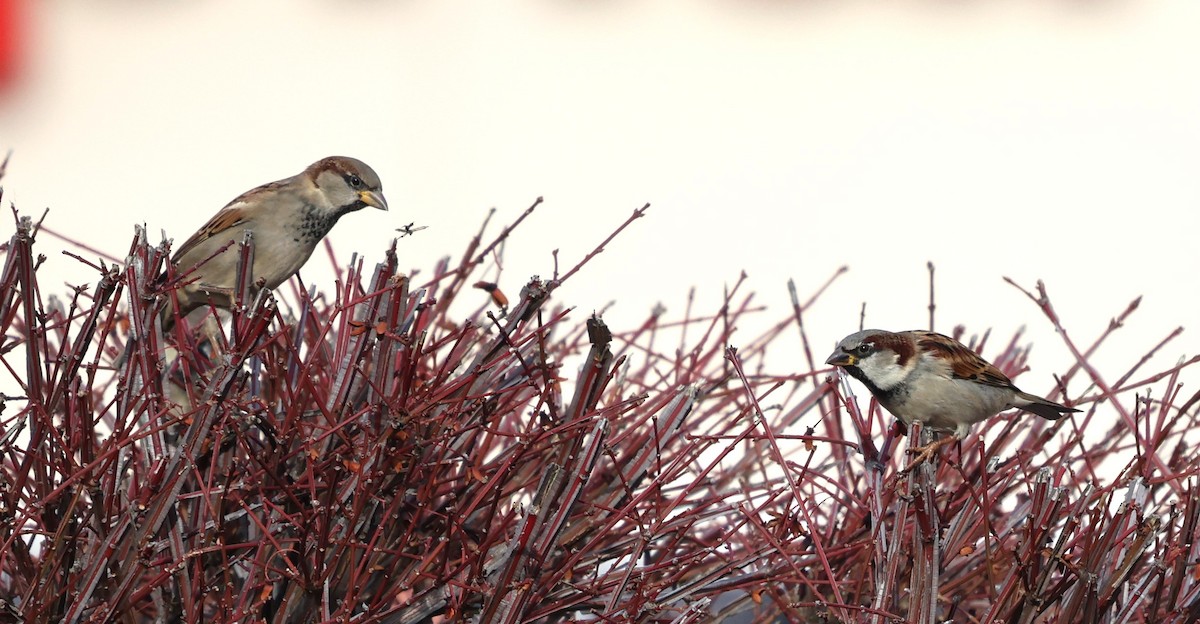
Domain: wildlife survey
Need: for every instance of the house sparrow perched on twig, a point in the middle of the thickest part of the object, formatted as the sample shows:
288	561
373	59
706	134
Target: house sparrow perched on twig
287	218
934	379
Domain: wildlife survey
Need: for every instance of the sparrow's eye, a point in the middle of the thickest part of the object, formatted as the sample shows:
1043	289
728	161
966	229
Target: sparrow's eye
354	181
863	349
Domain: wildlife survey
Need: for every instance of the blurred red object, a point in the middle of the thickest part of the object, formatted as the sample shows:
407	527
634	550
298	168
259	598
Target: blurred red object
9	41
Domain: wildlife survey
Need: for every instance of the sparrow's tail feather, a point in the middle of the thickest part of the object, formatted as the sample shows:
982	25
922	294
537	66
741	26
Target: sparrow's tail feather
1042	407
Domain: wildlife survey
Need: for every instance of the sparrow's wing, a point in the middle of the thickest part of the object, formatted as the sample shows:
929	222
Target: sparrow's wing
228	217
232	215
963	362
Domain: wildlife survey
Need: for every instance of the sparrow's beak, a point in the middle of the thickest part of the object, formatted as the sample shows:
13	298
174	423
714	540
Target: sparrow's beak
373	199
841	358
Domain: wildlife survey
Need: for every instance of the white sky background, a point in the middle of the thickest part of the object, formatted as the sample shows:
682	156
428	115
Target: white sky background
1051	139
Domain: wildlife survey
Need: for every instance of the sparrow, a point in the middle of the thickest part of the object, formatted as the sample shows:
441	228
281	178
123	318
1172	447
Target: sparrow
934	379
287	218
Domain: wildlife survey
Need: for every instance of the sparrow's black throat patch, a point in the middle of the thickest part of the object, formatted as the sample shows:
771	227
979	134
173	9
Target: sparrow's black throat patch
314	224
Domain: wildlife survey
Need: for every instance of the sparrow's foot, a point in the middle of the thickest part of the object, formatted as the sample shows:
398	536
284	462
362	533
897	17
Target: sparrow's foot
926	453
